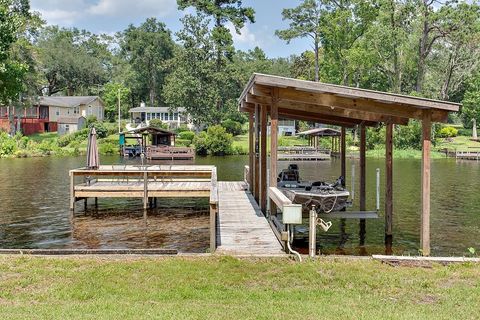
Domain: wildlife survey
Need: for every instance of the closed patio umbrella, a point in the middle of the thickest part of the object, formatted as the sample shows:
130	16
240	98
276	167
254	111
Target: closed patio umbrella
92	150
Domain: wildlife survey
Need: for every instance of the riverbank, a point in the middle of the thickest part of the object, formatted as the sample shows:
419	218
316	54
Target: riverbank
229	288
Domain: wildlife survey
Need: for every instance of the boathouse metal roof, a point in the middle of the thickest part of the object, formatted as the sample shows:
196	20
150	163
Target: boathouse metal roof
321	132
338	105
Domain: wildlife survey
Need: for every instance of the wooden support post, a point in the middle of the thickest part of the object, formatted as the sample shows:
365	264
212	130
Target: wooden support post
273	147
251	150
72	191
85	203
96	202
332	148
263	158
426	143
213	227
145	190
363	182
389	189
343	156
256	183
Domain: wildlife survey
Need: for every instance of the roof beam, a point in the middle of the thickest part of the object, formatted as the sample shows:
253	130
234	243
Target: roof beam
327	110
342	102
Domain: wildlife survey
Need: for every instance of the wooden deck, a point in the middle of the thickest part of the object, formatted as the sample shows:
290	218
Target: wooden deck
242	229
237	226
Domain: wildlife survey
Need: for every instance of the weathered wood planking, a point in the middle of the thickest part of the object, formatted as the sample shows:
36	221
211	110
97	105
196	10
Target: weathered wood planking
242	228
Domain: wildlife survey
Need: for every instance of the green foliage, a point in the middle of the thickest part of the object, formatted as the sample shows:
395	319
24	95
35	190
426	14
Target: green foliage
111	92
232	127
187	135
201	143
146	49
219	141
108	148
101	129
159	124
8	145
471	103
91	119
448	132
72	61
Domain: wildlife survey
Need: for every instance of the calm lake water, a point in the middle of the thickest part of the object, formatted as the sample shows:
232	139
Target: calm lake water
34	211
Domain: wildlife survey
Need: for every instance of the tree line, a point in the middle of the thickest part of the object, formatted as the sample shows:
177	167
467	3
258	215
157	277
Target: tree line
419	47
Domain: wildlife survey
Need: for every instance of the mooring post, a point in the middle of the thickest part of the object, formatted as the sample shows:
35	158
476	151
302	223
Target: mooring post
96	202
312	235
72	191
213	227
145	190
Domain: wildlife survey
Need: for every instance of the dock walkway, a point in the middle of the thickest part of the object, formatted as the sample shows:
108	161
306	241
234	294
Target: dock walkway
242	228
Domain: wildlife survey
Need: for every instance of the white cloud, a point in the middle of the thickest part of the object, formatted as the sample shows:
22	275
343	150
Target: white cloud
245	38
59	11
128	8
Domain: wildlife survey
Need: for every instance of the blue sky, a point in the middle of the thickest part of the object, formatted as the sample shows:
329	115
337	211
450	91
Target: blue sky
110	16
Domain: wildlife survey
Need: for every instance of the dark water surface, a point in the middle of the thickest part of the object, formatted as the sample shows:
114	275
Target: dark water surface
34	213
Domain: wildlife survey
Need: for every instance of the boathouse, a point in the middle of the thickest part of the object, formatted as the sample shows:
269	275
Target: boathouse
268	98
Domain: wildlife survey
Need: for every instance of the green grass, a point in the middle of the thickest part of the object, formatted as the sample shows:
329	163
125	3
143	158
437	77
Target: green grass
39	137
460	143
228	288
403	154
240	142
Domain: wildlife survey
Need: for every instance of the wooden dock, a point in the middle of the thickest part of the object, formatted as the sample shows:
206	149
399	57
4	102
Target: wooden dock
237	226
463	154
242	228
304	153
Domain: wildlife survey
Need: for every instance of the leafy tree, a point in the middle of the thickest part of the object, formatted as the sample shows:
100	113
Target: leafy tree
111	93
147	48
219	141
14	15
305	22
232	127
471	102
222	11
194	82
73	61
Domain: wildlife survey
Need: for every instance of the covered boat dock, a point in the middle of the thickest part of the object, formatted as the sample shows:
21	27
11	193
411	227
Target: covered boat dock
267	98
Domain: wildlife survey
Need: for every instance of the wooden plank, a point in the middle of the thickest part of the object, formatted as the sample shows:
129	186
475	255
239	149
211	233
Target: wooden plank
242	228
426	145
251	149
363	182
389	186
278	197
213	227
343	158
257	156
72	191
273	146
263	158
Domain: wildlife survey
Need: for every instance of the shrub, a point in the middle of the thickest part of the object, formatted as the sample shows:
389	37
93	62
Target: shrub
200	142
182	128
65	140
232	127
187	135
91	119
219	141
8	146
159	124
448	132
108	148
101	130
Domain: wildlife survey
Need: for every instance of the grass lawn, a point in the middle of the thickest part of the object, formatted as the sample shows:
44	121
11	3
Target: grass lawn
228	288
240	142
461	143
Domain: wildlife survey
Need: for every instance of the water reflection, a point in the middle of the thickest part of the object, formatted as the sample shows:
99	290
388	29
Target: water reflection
34	211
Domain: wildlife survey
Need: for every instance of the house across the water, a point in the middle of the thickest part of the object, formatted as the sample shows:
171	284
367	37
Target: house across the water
49	113
143	115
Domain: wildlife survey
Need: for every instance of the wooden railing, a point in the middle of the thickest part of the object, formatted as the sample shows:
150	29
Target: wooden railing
246	176
170	153
148	182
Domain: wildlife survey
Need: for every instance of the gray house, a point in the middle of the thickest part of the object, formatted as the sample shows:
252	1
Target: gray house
70	124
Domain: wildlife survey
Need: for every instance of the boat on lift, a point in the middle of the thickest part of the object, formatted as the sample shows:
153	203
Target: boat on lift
324	196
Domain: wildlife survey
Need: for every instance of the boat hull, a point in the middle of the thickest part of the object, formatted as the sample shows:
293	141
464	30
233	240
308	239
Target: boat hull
325	201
